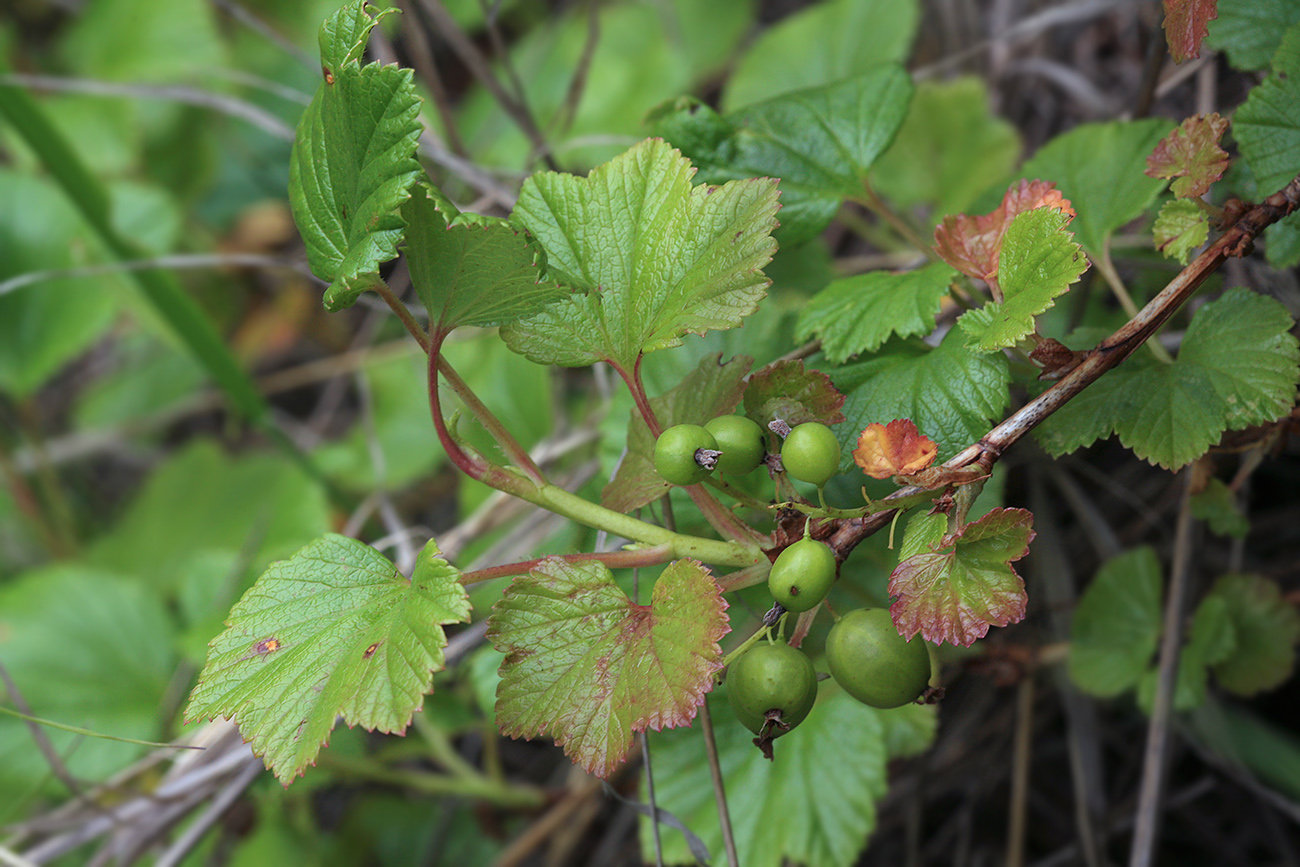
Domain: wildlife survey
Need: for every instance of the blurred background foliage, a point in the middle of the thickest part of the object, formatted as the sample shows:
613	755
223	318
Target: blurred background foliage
136	506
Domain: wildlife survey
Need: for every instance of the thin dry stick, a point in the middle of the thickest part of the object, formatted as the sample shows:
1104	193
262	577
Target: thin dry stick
650	797
422	60
1155	761
547	825
1024	739
477	64
1234	242
719	789
42	740
569	109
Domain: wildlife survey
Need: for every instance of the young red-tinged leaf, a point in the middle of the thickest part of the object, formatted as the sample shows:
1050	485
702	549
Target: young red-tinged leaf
651	256
1181	227
785	390
859	313
956	593
972	245
1191	155
1267	628
589	667
1116	624
353	160
1186	23
895	449
333	630
469	269
1039	261
712	389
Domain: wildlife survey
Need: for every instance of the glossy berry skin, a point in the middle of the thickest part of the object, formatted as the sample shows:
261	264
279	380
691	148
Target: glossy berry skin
802	575
675	453
811	453
875	664
741	442
772	677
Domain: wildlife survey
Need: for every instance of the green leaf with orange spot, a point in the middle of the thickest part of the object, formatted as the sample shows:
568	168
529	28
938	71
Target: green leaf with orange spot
589	667
334	630
353	160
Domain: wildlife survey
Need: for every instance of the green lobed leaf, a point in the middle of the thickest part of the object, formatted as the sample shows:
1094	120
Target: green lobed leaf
651	257
589	667
1100	168
333	630
823	43
821	142
956	593
785	390
353	160
859	313
1117	624
1211	638
470	269
712	389
950	393
1238	367
1267	627
949	150
815	804
1244	342
1181	227
1039	261
1217	506
1267	128
1251	30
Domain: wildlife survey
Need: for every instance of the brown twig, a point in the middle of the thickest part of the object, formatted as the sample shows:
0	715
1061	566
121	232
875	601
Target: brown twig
719	788
1235	242
569	109
1156	758
477	64
427	70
